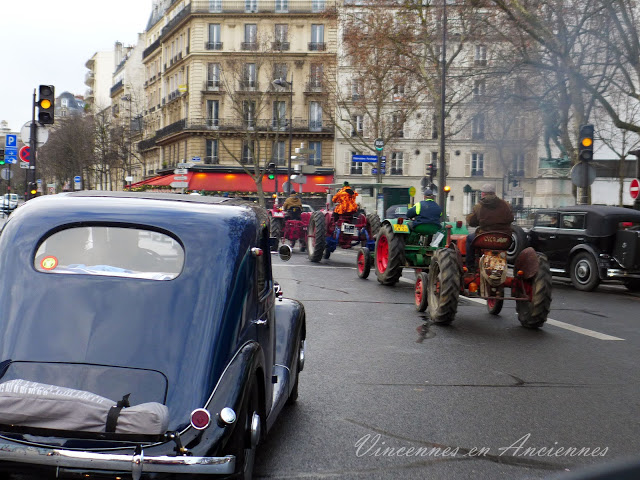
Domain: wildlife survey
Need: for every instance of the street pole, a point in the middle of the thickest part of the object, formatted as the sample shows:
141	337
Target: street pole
441	166
636	201
31	177
290	137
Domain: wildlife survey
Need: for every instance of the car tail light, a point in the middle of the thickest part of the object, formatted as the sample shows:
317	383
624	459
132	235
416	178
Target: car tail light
400	221
257	252
200	419
459	224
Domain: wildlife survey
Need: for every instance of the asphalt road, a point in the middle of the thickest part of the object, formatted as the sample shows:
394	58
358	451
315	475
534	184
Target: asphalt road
385	394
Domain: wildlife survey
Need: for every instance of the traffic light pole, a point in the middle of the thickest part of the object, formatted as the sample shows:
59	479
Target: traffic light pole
31	177
442	163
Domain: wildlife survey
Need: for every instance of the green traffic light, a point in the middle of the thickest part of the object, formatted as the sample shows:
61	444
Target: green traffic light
271	176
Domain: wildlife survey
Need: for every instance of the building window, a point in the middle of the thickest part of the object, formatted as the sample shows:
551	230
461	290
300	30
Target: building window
356	89
315	76
397	163
519	127
357	126
315	158
317	38
397	125
280	71
213	109
250	37
398	93
215	6
214	42
434	126
477	132
478	89
278	153
249	113
250	75
250	6
281	36
477	164
279	115
213	75
212	152
480	57
282	6
317	5
248	149
517	167
315	116
356	167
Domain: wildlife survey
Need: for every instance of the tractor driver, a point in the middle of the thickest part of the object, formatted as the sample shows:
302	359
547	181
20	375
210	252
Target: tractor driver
426	212
292	206
345	200
490	214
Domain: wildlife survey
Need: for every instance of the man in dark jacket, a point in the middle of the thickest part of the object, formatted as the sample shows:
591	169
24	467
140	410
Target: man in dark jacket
426	211
490	214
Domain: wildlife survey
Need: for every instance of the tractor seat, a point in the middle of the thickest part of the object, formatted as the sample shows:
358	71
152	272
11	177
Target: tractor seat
426	228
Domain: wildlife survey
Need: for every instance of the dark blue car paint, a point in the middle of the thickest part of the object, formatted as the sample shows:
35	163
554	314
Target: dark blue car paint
198	329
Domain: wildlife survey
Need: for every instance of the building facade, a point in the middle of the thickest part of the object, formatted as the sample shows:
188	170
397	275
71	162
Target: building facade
99	80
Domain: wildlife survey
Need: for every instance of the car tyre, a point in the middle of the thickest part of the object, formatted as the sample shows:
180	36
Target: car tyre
293	396
584	272
518	243
389	255
241	442
316	241
421	291
533	314
444	286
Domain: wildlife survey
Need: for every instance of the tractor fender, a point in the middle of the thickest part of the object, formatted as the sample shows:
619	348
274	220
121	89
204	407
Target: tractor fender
527	261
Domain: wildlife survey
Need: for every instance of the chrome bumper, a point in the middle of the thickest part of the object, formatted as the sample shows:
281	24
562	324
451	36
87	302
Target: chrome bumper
618	273
135	464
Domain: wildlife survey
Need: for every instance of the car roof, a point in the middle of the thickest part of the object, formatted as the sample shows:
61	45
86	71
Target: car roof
601	219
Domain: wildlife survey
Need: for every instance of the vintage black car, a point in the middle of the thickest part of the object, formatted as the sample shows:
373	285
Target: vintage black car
590	244
143	336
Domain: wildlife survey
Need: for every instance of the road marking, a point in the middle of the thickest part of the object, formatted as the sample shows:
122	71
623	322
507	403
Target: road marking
559	324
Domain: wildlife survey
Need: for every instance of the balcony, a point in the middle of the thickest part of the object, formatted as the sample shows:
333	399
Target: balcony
396	171
313	86
184	13
151	48
248	86
315	125
240	6
280	46
118	86
249	46
211	86
212	160
89	78
317	46
213	45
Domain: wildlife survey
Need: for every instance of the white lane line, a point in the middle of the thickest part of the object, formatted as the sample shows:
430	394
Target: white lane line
311	265
555	323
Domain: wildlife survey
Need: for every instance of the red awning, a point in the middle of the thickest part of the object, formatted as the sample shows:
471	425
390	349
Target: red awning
237	182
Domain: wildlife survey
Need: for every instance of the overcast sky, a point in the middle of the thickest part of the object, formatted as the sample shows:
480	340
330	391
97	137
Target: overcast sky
49	42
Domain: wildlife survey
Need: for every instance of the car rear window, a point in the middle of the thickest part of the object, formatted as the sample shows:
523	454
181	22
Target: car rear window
546	220
111	251
572	221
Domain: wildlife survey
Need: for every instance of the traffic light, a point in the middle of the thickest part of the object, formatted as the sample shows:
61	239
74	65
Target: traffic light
32	189
1	156
432	170
585	145
46	104
447	189
271	168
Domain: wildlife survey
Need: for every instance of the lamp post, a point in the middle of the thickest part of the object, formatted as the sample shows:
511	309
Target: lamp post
127	98
281	82
442	163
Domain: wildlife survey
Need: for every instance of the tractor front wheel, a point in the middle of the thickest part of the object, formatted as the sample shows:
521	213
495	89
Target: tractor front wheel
276	225
444	286
533	314
421	291
316	241
364	262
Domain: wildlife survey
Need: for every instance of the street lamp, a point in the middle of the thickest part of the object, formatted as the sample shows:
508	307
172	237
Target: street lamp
281	82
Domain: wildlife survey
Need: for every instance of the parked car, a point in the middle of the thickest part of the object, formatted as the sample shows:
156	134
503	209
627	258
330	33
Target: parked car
9	202
151	325
590	244
307	208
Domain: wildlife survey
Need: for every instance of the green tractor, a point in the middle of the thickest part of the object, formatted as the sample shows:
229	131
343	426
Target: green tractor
398	246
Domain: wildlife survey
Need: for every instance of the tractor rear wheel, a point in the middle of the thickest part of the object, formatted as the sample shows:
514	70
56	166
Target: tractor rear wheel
276	227
373	225
316	241
533	314
421	291
389	255
364	262
444	286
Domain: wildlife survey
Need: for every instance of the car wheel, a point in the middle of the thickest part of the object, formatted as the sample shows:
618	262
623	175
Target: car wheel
246	435
293	396
421	293
584	272
518	243
363	262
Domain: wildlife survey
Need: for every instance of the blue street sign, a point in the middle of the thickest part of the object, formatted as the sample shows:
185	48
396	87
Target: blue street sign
10	155
364	158
374	171
76	179
195	159
11	141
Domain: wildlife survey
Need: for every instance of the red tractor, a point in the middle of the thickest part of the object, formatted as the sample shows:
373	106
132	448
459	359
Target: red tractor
289	227
447	279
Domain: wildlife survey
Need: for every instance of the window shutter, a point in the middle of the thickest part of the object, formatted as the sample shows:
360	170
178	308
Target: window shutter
347	162
467	165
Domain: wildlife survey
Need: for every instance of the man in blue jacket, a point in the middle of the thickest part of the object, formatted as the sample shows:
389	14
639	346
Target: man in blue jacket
427	211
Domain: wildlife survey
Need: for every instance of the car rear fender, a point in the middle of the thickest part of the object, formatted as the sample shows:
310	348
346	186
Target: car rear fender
585	247
245	368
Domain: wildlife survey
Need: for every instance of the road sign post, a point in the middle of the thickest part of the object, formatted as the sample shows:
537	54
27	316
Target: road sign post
634	188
